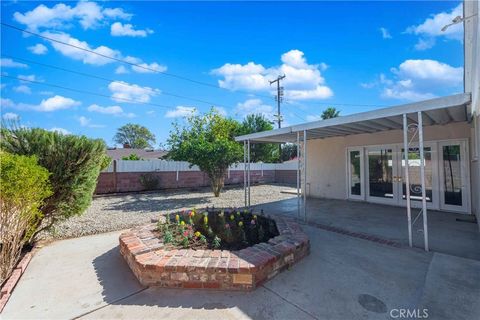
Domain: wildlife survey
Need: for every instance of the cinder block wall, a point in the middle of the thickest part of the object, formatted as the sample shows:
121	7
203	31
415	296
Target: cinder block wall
111	182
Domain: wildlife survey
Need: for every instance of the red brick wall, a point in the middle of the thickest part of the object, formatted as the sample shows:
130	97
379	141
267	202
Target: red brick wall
130	181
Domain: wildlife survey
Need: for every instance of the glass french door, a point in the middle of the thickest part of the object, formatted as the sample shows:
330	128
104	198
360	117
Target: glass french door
377	174
453	176
381	174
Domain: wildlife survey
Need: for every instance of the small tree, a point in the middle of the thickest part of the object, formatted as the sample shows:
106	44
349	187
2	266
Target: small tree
73	161
330	113
134	135
289	151
23	187
265	152
208	142
132	156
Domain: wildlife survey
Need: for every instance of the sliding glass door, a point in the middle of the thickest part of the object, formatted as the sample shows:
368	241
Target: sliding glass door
453	176
381	174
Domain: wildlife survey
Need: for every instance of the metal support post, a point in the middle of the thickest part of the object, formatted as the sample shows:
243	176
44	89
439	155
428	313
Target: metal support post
407	178
422	175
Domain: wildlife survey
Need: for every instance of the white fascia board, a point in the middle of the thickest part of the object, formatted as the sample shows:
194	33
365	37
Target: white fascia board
427	105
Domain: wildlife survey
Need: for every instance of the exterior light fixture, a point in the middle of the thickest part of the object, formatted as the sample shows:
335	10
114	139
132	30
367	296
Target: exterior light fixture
457	20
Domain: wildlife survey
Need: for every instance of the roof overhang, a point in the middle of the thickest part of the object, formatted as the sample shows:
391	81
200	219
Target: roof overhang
437	111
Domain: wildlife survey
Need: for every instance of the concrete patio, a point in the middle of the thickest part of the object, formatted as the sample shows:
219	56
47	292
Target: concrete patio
343	278
450	233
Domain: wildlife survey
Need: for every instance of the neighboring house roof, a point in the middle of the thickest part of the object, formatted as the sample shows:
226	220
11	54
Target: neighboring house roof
119	153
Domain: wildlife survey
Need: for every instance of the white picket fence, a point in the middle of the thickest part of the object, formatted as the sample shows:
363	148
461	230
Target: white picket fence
156	165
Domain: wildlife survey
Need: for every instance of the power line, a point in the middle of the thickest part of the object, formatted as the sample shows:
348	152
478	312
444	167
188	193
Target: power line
109	80
85	92
128	62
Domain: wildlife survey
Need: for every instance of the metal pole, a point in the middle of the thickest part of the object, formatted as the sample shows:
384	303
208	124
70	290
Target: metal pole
298	174
245	170
304	189
407	178
248	179
422	175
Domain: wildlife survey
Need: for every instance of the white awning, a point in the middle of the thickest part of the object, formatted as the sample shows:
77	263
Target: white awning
437	111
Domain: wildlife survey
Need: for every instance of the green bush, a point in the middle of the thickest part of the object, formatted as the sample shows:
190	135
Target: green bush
73	161
149	181
132	156
23	187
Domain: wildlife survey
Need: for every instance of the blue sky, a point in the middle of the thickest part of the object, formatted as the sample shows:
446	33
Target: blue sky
355	56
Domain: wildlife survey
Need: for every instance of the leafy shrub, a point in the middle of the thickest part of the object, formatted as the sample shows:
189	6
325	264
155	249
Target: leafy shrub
132	156
149	181
23	187
73	161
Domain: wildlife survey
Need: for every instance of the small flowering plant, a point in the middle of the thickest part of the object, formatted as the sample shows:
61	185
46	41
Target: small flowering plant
215	229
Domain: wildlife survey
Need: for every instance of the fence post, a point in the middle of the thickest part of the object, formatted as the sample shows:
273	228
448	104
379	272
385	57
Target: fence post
115	175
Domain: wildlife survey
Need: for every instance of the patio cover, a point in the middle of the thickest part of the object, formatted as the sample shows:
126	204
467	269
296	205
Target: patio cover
435	111
424	113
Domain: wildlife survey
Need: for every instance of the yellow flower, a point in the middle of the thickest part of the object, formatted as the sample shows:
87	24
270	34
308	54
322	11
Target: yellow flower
182	223
254	216
198	234
238	213
177	218
205	219
232	217
240	223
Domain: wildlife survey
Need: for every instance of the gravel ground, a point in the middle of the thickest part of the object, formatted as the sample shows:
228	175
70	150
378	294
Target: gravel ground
110	213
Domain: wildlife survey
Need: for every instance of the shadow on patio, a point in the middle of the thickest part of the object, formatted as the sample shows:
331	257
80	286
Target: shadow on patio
449	233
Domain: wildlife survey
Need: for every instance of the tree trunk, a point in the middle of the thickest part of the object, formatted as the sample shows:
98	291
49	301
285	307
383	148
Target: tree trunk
217	184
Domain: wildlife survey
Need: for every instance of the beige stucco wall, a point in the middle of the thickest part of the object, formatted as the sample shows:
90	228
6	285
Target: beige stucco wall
326	158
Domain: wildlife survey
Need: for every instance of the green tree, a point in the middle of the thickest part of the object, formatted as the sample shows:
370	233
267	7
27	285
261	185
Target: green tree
134	135
289	151
330	113
265	152
74	163
23	187
207	141
132	156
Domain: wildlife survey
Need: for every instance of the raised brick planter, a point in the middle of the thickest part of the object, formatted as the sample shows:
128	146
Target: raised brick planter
212	269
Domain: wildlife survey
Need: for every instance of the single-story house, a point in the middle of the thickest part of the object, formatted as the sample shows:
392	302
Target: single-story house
119	153
362	156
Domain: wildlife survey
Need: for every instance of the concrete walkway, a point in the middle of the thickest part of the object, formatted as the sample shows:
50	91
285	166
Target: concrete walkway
342	278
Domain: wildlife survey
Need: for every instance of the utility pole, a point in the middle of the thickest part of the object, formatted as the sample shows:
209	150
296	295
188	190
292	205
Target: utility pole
279	98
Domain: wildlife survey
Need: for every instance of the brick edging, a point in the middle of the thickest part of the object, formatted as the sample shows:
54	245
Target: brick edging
9	285
244	269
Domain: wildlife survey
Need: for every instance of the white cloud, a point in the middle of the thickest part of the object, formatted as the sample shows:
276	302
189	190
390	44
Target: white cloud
417	80
255	106
122	91
303	81
155	67
99	55
22	89
56	103
181	112
432	28
84	121
9	63
46	105
112	110
89	14
121	70
221	111
118	30
76	54
424	44
385	33
28	78
60	130
6	103
38	49
10	116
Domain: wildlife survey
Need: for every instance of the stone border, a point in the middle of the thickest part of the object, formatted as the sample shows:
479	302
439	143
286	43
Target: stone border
245	269
7	288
